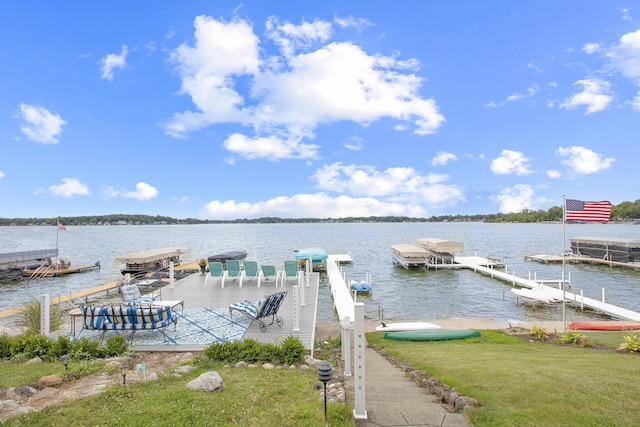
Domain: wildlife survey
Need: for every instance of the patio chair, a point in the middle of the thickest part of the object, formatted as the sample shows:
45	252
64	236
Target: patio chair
216	271
291	272
251	271
270	274
266	307
131	295
234	272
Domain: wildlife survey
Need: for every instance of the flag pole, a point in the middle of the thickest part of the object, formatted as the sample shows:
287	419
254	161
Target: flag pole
57	232
564	239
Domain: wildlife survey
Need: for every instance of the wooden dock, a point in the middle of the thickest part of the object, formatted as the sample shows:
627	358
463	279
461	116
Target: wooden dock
548	259
555	293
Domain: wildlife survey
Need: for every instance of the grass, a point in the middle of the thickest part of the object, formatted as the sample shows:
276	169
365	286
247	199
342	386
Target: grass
252	397
525	383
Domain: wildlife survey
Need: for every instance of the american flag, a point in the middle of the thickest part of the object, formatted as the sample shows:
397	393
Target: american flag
61	227
578	210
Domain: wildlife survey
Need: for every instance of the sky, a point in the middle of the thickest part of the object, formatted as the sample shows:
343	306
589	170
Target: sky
224	110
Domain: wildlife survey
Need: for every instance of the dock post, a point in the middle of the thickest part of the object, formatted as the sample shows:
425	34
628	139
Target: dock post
603	292
346	345
45	311
296	310
302	297
582	300
172	279
360	409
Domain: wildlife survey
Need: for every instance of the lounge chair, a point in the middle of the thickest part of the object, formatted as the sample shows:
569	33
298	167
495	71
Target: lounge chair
269	274
216	271
266	307
291	272
251	271
234	272
131	295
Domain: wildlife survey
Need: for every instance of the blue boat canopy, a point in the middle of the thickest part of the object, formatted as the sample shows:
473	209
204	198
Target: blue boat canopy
316	254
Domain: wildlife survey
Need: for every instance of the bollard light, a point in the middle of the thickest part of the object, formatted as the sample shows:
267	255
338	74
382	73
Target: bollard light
65	361
325	373
124	368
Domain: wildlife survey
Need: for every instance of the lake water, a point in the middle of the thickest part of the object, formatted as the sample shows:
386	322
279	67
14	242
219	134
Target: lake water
397	293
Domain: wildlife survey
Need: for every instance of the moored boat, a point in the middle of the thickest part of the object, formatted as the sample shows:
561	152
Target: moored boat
432	335
605	325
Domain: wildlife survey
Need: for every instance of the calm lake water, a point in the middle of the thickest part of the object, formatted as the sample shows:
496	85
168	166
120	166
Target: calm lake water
398	293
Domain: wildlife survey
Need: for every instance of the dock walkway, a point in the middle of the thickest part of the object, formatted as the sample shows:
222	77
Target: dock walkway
555	293
342	299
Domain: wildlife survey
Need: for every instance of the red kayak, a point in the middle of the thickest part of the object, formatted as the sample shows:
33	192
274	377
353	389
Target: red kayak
605	325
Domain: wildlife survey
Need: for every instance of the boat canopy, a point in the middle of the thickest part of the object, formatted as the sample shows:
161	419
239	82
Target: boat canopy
152	255
440	245
316	254
10	257
409	251
228	255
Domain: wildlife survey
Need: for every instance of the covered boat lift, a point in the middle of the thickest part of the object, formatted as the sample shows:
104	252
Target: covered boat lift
151	260
609	249
408	256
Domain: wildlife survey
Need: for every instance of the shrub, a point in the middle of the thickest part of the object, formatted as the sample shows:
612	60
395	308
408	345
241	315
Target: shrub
84	349
7	345
116	345
573	337
31	316
631	343
540	333
291	350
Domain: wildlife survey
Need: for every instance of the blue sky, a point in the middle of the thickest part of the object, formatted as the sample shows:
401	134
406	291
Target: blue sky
226	110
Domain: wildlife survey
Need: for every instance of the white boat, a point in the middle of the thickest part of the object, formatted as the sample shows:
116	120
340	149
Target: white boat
534	295
407	326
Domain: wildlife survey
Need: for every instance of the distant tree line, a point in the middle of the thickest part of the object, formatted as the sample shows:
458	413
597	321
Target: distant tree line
625	211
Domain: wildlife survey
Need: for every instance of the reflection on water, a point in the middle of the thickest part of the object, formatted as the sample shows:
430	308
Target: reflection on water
398	293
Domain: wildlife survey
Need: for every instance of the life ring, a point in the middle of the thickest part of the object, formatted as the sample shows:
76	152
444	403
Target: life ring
165	263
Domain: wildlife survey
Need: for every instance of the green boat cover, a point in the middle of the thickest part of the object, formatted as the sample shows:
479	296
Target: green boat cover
432	335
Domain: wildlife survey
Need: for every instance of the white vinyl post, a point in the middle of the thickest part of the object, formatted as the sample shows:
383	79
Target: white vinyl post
346	345
301	290
45	314
360	409
296	310
172	279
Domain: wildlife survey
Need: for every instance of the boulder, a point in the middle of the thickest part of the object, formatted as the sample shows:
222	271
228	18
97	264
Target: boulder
209	381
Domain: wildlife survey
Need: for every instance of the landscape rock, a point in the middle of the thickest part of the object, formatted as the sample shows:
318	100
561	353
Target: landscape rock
209	381
49	380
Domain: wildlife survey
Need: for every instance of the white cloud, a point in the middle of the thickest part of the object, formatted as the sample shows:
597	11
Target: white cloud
624	57
113	61
351	22
318	205
582	160
70	187
1	174
270	147
40	125
553	174
354	144
291	37
596	95
442	158
518	198
590	48
510	162
290	95
396	184
143	192
109	192
518	96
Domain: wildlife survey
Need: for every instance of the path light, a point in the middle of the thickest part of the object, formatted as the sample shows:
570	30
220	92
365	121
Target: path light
65	361
124	368
325	373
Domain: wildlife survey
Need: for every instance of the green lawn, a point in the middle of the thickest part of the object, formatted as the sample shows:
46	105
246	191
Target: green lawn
531	383
252	397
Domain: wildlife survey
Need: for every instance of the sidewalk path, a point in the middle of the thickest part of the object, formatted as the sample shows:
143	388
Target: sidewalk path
392	399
